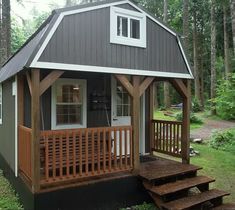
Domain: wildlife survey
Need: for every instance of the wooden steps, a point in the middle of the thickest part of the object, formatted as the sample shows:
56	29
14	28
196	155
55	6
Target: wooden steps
184	184
176	186
195	200
227	206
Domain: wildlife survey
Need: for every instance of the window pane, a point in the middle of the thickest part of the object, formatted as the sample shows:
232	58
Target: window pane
135	29
122	26
69	94
126	110
69	114
119	110
0	111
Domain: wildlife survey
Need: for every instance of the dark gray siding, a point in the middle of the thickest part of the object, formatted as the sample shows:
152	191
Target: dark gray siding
84	39
7	129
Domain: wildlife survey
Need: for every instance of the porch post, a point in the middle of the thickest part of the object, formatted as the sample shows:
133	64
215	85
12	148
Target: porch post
151	116
136	121
186	126
35	124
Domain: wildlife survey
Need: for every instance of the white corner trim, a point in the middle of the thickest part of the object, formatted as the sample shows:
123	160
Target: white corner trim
110	70
54	126
129	14
185	59
1	99
60	18
16	125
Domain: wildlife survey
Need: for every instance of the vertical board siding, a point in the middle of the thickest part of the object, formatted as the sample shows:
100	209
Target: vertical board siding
84	39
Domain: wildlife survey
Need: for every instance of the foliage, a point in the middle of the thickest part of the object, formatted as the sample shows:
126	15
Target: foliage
193	118
196	106
8	199
223	140
144	206
225	100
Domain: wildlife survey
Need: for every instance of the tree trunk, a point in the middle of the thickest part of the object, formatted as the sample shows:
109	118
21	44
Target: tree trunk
213	57
226	43
167	100
233	22
6	31
1	60
186	24
195	60
69	3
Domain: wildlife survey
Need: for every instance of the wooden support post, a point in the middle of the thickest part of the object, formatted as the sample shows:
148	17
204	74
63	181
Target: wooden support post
151	116
35	121
185	142
136	122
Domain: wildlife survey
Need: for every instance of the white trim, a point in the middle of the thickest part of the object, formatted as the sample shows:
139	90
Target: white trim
1	104
184	56
129	14
54	126
60	18
100	69
15	93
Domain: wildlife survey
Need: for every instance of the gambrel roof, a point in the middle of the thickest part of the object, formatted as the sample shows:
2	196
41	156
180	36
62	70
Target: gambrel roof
78	39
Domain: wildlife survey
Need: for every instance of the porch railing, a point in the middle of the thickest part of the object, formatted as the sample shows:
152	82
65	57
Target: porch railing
166	137
25	151
72	154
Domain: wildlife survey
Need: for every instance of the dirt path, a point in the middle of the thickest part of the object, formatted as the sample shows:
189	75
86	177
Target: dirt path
209	126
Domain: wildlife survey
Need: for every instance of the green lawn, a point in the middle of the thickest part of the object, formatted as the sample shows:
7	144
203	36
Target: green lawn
8	199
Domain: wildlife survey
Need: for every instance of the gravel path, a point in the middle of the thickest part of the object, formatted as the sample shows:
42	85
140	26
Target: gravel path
209	126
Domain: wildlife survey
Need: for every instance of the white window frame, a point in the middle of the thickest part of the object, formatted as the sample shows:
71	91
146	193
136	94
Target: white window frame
129	14
54	125
1	103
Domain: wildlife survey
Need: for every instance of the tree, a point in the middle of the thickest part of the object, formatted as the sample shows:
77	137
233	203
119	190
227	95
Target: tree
233	22
186	24
226	41
167	100
213	57
5	48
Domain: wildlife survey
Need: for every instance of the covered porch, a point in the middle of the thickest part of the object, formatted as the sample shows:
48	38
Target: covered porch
53	158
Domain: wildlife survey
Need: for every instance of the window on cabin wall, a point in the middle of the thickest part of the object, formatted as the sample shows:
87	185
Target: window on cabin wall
127	27
69	104
0	103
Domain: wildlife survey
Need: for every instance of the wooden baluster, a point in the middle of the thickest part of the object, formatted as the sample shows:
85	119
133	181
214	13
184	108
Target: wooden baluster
115	148
104	150
67	154
61	156
167	137
86	148
178	132
74	153
156	141
98	145
174	139
160	136
120	147
170	137
46	157
92	152
80	153
110	149
131	147
54	157
125	139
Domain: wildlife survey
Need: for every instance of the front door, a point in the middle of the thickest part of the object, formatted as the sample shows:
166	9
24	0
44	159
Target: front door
121	111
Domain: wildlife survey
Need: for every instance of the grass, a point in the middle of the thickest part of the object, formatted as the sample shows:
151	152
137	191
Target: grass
8	198
218	164
161	116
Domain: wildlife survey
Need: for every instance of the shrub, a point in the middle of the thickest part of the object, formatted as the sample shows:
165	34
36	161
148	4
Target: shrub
223	140
193	118
196	106
225	100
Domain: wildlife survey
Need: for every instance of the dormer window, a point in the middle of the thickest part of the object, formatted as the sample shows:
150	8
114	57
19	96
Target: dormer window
127	27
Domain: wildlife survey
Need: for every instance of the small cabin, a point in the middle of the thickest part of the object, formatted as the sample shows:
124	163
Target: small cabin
76	106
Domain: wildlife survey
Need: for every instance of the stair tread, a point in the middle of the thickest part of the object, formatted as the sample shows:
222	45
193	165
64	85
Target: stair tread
150	171
180	185
194	200
227	206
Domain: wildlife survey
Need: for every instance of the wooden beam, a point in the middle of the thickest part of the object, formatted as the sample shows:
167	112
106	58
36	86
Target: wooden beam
180	87
49	80
151	116
29	82
145	84
35	124
185	142
125	83
136	122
